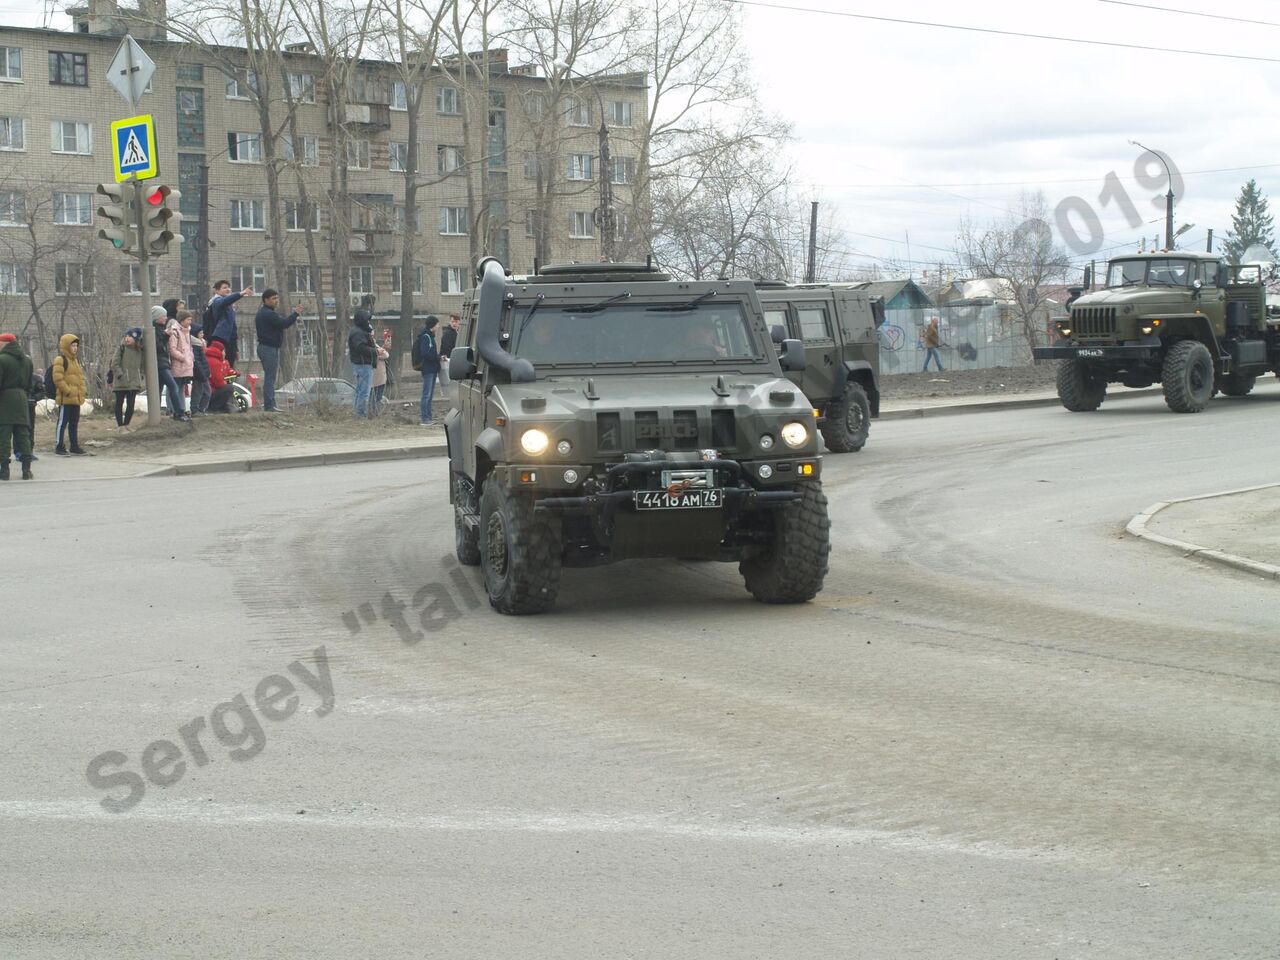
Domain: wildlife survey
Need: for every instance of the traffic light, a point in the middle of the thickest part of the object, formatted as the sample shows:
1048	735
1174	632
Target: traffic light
121	214
161	224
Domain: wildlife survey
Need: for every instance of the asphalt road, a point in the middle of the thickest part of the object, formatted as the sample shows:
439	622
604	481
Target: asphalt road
1003	730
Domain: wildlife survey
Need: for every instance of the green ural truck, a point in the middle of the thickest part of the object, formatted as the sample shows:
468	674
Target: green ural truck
1188	321
606	412
837	324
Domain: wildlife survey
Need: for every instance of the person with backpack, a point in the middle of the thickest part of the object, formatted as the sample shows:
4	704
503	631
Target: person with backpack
426	358
364	354
200	390
164	363
220	318
69	392
270	327
128	375
15	386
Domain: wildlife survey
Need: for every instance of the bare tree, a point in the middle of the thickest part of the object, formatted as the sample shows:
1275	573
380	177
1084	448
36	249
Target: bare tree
1018	249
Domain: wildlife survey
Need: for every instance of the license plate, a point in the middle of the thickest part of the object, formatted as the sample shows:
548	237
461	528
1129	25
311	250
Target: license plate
684	500
1090	353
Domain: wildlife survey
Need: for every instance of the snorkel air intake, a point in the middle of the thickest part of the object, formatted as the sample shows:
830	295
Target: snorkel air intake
493	285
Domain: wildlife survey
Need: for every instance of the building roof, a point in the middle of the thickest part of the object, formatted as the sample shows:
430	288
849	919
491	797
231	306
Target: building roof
891	289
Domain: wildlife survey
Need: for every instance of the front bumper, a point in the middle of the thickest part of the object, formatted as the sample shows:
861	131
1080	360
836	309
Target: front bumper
1102	352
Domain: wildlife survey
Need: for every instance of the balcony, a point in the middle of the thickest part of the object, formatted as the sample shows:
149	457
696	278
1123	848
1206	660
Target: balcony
371	243
368	116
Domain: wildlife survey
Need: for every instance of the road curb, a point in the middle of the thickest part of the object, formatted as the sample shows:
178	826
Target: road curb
987	406
289	461
1138	527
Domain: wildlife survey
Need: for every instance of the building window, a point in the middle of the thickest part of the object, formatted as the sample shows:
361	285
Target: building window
358	154
532	223
310	150
241	84
190	117
10	63
295	219
69	69
448	159
13	209
447	100
399	96
129	277
247	215
580	225
191	72
619	113
12	134
451	280
73	279
71	136
622	225
533	167
361	280
397	156
13	279
624	169
395	280
579	166
244	147
577	113
453	221
301	280
248	276
302	88
73	209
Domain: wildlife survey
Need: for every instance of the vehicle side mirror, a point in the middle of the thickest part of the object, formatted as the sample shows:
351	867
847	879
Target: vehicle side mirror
792	356
1088	277
778	333
1224	275
462	363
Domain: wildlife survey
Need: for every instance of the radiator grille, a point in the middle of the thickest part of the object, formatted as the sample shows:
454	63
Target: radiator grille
1093	322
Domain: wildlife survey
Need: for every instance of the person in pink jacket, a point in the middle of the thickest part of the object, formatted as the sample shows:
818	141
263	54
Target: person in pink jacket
181	354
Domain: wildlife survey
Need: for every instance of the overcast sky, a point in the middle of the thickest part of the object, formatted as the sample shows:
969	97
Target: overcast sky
881	109
905	129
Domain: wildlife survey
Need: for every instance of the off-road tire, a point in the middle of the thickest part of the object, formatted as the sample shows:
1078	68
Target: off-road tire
520	552
1236	384
1187	377
1078	389
848	421
791	569
466	542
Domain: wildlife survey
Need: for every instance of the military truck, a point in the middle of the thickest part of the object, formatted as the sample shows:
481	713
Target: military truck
606	412
1188	321
837	324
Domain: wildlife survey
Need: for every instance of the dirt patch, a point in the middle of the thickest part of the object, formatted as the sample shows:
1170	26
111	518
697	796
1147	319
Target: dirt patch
998	381
215	432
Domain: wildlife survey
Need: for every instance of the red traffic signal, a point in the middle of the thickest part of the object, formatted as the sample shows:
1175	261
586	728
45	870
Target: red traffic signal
158	196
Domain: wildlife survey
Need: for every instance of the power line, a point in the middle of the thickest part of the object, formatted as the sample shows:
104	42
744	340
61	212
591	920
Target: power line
1192	13
1002	33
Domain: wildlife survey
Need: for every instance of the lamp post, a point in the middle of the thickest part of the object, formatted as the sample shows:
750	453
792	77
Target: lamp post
603	215
1168	206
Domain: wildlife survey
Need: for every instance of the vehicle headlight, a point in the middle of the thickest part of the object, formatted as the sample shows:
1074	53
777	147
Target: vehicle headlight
564	448
534	442
1064	329
766	442
795	435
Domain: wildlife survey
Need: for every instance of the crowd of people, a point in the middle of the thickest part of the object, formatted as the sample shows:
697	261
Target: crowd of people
195	359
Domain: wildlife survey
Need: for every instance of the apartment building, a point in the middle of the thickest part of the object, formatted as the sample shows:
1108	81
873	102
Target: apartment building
56	109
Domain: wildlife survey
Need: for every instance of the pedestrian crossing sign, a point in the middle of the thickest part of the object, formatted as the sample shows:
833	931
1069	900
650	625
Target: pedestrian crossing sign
134	152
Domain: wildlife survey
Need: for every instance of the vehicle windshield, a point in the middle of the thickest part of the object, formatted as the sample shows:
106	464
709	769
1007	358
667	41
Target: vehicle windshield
675	332
1126	273
1170	273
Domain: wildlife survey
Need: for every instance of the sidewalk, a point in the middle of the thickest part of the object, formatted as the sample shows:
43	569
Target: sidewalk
891	409
1237	528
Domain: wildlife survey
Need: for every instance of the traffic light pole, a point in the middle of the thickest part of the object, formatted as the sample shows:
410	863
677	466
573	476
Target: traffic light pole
148	328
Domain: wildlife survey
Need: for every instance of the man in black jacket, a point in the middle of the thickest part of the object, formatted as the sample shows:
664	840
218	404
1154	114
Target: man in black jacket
271	327
364	354
448	340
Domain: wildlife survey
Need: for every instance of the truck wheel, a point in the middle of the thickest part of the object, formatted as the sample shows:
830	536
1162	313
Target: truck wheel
519	552
1187	376
466	541
1078	389
1236	384
848	421
792	568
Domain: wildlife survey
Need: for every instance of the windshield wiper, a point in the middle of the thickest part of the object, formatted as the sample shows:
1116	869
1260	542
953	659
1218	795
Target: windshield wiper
525	322
681	307
597	307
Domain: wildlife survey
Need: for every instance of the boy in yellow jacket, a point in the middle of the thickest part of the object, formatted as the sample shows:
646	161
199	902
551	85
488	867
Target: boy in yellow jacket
68	377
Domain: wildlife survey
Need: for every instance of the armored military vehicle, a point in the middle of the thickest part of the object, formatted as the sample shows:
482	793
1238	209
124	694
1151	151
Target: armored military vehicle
607	412
837	325
1188	321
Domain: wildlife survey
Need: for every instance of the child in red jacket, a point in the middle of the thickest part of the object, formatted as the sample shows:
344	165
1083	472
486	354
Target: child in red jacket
220	377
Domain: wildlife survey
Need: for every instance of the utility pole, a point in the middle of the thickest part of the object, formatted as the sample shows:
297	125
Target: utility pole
1209	246
606	189
811	268
1168	200
148	328
202	245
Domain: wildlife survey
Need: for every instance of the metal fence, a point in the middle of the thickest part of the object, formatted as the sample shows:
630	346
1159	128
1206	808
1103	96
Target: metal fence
974	337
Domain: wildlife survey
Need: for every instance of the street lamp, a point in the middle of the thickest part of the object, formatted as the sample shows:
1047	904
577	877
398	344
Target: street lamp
1168	207
603	215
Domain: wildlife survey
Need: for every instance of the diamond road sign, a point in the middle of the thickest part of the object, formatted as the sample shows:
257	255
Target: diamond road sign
130	71
133	143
